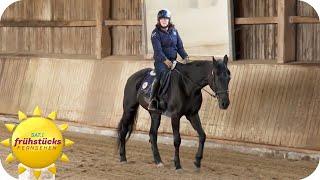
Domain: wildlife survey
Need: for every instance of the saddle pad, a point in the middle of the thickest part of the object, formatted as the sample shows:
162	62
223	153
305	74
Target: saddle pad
146	85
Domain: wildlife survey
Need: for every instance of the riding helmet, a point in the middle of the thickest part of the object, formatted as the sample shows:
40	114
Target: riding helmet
164	13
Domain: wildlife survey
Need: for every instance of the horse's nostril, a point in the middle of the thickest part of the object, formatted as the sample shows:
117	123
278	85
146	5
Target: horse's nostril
224	104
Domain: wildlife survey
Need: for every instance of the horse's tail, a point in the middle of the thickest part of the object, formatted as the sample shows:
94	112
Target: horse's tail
127	123
130	106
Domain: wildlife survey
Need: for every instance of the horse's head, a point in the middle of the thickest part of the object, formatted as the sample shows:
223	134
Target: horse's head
219	81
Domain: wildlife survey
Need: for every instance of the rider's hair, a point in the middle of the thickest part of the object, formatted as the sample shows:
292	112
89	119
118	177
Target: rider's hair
171	25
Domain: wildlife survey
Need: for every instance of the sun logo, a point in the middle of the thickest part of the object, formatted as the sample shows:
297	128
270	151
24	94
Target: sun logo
37	142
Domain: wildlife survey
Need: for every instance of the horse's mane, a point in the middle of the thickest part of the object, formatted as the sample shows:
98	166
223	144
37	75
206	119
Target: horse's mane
190	68
207	65
199	63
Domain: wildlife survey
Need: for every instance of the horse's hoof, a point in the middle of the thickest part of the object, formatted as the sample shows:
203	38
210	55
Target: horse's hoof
124	162
179	171
197	165
196	169
160	165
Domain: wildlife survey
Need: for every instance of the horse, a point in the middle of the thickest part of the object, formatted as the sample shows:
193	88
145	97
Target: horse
184	99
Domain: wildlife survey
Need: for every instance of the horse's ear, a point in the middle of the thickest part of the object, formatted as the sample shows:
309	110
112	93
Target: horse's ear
214	65
225	59
214	61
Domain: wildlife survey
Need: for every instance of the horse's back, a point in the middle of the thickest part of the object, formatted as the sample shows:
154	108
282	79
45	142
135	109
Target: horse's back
137	78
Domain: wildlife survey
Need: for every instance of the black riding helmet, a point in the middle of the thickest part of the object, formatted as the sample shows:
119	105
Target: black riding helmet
164	14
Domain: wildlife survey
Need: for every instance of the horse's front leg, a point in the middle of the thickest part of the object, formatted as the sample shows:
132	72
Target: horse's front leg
153	133
196	124
175	122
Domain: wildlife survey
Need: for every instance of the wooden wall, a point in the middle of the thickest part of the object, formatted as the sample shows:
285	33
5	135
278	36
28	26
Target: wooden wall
80	39
270	104
256	41
308	36
257	34
49	40
51	10
127	40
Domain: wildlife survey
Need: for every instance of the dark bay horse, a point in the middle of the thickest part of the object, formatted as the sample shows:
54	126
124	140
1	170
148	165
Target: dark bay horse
184	99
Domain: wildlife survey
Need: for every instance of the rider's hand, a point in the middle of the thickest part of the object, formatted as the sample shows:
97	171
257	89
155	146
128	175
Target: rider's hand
185	60
168	63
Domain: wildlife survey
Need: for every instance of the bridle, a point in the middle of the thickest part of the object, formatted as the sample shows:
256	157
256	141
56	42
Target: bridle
216	93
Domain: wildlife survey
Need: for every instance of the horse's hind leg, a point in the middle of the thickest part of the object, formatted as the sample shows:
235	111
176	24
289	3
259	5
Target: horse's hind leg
122	133
153	133
196	124
125	126
175	122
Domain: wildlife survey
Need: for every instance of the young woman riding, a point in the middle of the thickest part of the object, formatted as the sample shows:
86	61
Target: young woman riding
166	44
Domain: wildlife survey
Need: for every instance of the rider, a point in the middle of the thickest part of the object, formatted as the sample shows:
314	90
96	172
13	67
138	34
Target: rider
166	44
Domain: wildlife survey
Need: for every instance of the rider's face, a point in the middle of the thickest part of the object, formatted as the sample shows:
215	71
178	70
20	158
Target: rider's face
164	22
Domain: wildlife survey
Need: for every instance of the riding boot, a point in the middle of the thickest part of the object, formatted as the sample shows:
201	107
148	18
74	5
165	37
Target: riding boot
153	105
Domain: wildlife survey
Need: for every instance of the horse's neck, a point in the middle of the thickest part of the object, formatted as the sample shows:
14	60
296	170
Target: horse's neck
196	74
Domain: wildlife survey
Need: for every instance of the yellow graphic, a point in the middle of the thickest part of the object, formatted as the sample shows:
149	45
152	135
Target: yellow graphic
37	142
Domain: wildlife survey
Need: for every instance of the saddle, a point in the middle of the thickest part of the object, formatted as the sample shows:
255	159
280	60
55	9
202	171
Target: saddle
146	87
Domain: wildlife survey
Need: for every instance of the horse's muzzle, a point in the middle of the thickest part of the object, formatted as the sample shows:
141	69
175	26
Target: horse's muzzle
224	103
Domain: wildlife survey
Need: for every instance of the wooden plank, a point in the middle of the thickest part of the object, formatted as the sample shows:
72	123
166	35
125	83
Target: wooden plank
313	131
106	42
126	27
33	23
286	31
255	8
308	47
99	19
123	22
246	103
246	125
303	20
293	109
144	29
285	109
103	38
233	87
254	132
49	27
239	111
34	54
261	113
232	45
256	39
266	97
256	20
304	100
256	42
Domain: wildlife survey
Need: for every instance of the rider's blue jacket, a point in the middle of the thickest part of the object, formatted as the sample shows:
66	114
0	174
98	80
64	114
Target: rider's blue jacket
166	45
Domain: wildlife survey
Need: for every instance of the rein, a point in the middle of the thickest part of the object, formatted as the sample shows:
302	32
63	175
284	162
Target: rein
212	95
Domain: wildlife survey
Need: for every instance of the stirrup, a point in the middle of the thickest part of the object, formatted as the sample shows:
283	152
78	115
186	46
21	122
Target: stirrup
153	106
